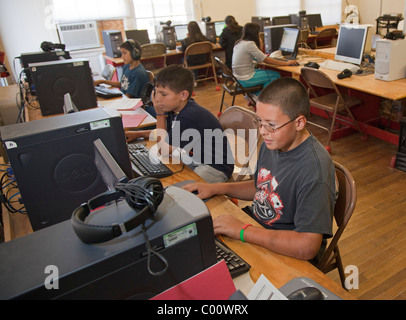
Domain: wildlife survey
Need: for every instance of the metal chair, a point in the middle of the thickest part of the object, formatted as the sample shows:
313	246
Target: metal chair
303	36
244	138
344	208
204	48
331	103
153	56
325	38
233	87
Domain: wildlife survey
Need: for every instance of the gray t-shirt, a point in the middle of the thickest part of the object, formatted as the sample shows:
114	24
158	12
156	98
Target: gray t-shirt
244	54
296	189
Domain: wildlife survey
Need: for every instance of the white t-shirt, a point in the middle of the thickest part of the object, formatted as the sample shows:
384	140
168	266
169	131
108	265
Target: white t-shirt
244	54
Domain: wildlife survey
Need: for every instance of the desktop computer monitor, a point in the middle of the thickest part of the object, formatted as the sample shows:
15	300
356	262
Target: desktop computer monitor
277	21
52	80
351	43
273	37
35	57
181	32
314	21
219	26
141	36
289	41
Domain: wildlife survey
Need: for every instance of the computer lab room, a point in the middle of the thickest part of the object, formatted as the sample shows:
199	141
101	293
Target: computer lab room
203	150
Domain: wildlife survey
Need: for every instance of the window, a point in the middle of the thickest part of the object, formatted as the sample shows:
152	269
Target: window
75	10
148	14
330	10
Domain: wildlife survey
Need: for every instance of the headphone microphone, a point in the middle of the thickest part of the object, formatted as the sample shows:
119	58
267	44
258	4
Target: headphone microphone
143	194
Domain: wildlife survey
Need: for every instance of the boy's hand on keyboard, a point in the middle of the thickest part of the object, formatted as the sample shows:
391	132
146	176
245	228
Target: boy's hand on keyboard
227	225
131	136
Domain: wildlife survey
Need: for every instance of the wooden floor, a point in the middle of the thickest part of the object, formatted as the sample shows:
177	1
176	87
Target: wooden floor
375	238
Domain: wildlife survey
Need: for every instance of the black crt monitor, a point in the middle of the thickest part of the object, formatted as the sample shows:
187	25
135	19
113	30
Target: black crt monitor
141	36
273	37
35	57
181	32
219	26
277	21
52	80
351	43
289	41
314	21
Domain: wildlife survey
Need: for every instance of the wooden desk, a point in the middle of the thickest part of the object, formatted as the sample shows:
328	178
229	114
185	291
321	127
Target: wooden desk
370	90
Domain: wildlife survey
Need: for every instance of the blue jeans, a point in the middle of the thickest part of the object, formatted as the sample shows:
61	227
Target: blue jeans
261	76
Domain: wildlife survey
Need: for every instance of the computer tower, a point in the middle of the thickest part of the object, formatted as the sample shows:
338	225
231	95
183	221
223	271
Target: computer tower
169	37
53	79
262	21
53	161
300	20
181	231
112	40
401	154
209	30
390	62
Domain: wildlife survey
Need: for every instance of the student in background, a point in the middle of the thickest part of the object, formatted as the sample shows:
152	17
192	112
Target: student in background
194	35
231	33
293	190
187	127
246	50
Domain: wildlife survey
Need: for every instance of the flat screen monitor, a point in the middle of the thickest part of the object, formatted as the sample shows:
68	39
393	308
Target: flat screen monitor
273	37
141	36
54	79
351	43
277	21
289	40
181	31
314	21
110	171
219	26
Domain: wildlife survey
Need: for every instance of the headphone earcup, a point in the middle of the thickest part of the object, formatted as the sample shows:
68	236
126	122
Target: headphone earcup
154	193
135	53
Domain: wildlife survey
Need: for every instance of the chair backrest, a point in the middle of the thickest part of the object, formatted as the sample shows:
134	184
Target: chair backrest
199	48
152	50
343	210
316	78
238	121
325	37
150	75
226	72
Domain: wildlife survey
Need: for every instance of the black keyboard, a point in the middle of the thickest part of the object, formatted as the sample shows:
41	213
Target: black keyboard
106	93
146	163
235	264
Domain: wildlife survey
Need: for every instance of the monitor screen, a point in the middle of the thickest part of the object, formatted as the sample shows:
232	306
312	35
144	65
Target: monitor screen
138	35
181	31
277	21
54	79
351	43
289	41
314	21
219	26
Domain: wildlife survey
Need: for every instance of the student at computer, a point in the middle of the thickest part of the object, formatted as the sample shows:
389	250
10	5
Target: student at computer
293	191
231	33
134	76
194	35
184	127
246	50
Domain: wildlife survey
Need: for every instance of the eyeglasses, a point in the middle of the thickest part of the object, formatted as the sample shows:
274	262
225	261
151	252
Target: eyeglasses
270	127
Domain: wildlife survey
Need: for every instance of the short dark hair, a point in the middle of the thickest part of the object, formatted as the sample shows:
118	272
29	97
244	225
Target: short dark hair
289	95
177	78
128	45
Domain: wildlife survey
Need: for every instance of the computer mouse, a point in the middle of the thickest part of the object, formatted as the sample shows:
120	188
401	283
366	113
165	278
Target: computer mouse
307	293
314	65
346	73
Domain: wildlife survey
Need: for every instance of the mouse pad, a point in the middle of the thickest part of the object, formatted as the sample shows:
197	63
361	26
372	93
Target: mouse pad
299	283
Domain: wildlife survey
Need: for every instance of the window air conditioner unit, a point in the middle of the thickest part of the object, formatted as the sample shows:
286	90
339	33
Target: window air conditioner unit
79	35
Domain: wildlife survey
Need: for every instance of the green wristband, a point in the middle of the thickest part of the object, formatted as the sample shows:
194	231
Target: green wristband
242	232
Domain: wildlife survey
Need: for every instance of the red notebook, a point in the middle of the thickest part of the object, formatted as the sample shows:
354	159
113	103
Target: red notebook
132	121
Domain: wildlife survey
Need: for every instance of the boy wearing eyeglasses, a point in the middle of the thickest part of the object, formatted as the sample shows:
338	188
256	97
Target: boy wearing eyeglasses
293	190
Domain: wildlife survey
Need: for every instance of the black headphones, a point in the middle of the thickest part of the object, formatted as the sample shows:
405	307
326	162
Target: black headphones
143	194
135	53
